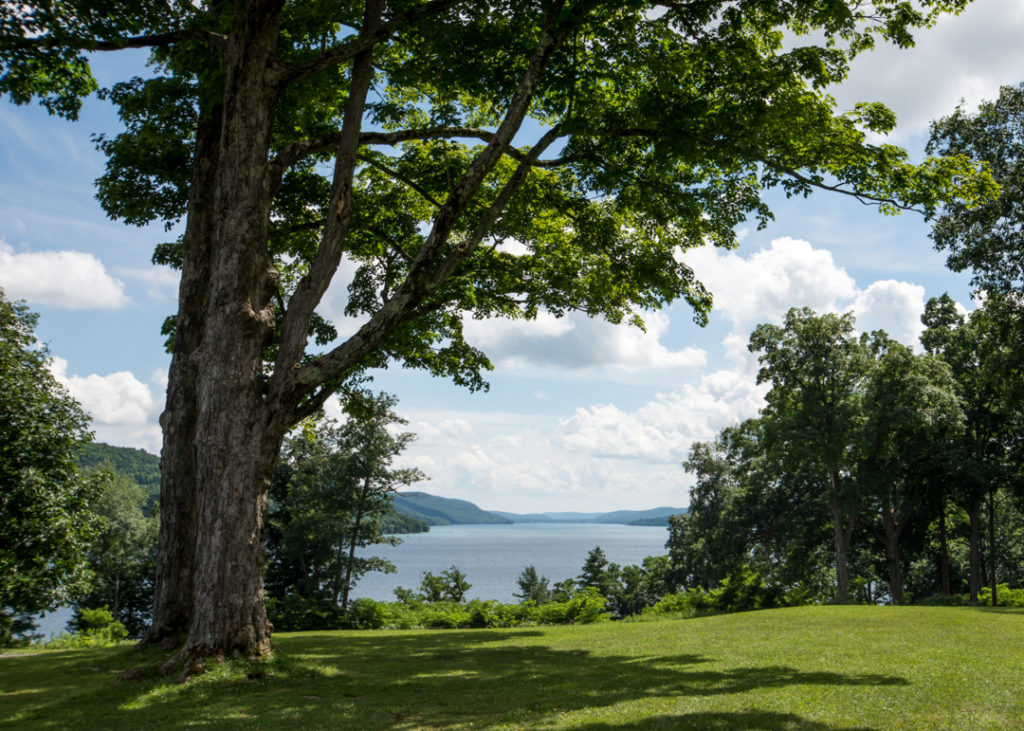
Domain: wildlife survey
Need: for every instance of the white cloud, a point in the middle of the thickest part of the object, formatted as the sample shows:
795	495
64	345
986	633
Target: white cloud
123	408
579	342
895	307
763	286
791	273
963	57
665	428
161	282
75	280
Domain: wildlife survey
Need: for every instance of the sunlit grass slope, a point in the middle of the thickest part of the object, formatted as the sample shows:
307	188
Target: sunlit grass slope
808	668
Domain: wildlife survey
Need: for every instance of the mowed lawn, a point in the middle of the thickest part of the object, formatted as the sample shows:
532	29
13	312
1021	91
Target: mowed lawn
805	668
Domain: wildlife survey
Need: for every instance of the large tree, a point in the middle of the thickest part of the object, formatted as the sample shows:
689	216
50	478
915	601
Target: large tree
45	518
816	366
465	157
332	489
911	421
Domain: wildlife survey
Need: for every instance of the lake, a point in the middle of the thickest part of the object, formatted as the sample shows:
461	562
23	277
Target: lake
493	556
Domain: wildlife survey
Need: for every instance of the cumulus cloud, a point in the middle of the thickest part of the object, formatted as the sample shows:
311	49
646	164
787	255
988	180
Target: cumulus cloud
123	408
763	286
75	280
895	307
576	341
792	273
664	428
963	57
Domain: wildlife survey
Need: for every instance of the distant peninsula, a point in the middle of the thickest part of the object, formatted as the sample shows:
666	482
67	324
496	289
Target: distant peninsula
436	510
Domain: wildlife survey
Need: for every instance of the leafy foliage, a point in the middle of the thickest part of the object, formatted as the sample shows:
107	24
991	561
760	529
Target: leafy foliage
332	491
45	518
122	554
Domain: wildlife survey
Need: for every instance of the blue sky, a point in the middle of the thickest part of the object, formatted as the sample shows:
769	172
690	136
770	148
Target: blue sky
581	415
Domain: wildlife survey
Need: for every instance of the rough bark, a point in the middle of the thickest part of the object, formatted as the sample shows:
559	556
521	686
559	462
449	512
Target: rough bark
236	439
172	608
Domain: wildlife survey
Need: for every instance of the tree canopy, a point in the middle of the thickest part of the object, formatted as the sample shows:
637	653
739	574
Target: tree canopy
45	522
462	158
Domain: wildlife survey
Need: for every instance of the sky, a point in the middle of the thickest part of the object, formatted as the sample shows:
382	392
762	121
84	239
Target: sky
581	415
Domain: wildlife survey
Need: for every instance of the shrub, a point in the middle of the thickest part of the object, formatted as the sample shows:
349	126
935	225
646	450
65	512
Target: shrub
92	628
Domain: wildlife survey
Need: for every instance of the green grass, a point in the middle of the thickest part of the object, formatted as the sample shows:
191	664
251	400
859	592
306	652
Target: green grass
806	668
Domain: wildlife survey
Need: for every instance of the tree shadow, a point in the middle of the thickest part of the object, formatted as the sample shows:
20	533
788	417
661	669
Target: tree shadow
722	721
414	680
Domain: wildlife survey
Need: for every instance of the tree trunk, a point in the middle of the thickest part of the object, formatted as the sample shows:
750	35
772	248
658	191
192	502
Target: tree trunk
236	436
842	546
992	544
943	549
892	554
974	514
843	531
172	605
352	542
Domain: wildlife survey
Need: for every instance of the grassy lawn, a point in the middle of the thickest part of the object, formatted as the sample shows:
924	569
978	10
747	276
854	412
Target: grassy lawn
808	668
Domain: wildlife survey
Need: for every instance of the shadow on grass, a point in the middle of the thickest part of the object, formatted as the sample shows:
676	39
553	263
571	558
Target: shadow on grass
746	720
398	680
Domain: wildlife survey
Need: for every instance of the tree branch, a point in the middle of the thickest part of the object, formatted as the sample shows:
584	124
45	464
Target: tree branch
366	40
864	198
419	284
399	177
312	286
301	149
199	35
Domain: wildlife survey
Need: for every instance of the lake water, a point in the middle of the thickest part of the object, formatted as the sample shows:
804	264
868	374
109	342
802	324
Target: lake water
493	556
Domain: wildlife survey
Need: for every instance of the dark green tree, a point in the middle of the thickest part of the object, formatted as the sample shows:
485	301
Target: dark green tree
122	554
332	492
912	419
986	239
46	521
985	360
532	586
815	367
290	135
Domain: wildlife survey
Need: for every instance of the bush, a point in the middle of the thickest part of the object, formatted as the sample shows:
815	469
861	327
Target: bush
92	628
295	613
1005	596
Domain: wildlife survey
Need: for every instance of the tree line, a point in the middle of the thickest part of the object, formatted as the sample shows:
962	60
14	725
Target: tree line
871	467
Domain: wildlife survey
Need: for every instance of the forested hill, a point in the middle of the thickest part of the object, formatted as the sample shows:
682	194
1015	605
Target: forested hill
138	464
653	516
447	511
443	511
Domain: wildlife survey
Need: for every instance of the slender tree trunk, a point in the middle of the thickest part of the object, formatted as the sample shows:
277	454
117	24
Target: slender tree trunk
172	606
352	543
892	554
974	515
116	608
943	549
992	544
843	530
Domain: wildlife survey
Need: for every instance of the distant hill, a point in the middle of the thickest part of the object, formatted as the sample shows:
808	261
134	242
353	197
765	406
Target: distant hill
443	511
653	516
138	464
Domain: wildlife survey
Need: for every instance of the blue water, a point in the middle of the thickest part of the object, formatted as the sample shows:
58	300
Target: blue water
493	556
